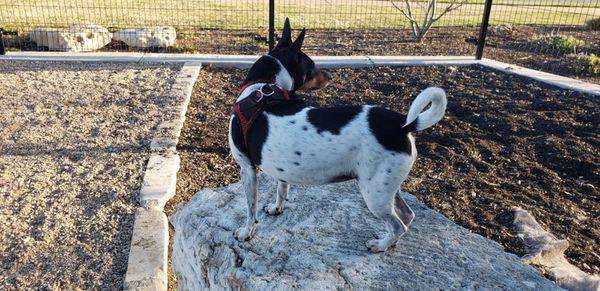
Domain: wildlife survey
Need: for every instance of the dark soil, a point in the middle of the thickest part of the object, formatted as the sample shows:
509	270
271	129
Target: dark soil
507	44
505	141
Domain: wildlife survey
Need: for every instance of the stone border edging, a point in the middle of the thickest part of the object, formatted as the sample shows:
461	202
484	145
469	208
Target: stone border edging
552	79
245	61
148	254
241	61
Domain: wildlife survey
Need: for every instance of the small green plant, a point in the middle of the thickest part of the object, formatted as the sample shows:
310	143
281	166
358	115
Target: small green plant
183	48
557	43
593	24
594	63
583	63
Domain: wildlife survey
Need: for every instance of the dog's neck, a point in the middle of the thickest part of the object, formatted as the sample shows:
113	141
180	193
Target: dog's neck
270	69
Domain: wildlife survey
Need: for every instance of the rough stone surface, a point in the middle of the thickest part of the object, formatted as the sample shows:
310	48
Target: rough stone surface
547	251
75	38
318	242
158	36
147	265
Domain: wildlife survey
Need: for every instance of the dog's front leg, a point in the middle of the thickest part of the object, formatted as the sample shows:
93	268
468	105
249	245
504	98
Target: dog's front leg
250	188
282	191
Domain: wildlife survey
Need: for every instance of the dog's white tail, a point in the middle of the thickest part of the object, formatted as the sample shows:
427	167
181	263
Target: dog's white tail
417	120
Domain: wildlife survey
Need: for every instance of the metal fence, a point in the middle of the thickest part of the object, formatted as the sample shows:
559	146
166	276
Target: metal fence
336	27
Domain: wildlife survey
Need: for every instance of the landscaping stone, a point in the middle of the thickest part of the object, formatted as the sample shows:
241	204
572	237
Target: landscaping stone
147	265
547	252
75	38
318	242
159	180
159	36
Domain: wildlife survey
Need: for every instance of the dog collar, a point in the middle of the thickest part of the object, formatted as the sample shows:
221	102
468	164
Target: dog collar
249	108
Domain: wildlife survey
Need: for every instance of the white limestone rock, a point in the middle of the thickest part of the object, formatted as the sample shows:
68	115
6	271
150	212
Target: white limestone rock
158	36
75	38
547	251
318	243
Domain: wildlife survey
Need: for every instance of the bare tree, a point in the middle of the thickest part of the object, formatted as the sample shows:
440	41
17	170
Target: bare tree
419	30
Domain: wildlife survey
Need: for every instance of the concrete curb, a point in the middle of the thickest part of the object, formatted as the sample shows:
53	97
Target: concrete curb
245	61
556	80
241	61
147	264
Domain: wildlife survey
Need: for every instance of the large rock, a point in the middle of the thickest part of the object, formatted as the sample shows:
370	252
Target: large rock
158	36
547	251
76	38
318	243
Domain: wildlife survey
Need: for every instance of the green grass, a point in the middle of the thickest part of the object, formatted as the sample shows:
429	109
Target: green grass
231	14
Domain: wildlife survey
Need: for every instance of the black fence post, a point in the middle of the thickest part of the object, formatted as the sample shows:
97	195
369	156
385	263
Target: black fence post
271	24
2	48
484	27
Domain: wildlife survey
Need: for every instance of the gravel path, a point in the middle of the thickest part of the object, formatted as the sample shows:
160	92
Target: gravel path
74	141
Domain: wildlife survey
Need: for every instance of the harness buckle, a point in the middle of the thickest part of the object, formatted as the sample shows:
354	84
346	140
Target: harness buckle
270	91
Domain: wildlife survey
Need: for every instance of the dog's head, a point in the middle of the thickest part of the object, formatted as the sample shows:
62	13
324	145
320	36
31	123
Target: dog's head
300	67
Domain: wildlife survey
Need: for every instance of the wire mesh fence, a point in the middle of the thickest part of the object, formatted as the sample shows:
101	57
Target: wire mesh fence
519	31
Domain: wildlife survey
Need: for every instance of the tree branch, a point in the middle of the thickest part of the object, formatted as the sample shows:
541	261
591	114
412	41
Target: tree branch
448	9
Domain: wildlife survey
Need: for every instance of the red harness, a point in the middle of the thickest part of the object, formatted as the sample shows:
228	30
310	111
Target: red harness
249	108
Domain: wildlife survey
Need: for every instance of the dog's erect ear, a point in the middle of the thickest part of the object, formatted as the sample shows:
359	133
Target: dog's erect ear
297	45
286	36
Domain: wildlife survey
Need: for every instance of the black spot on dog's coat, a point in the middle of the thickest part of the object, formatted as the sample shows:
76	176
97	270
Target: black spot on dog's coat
304	128
298	153
292	122
296	163
286	108
280	170
386	125
332	119
257	135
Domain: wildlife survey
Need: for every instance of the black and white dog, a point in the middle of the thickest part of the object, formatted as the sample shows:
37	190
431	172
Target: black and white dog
298	144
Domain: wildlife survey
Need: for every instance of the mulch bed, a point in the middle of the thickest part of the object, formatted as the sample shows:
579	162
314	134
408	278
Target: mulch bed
507	44
505	141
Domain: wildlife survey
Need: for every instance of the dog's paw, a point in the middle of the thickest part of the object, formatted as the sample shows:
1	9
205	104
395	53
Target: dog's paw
272	209
376	245
244	233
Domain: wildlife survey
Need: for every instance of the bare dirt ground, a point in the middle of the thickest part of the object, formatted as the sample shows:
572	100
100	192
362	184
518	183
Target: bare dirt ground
505	141
74	142
512	45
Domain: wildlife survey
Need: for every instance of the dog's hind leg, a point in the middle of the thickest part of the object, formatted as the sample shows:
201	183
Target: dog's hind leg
403	210
282	191
379	191
381	204
249	182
